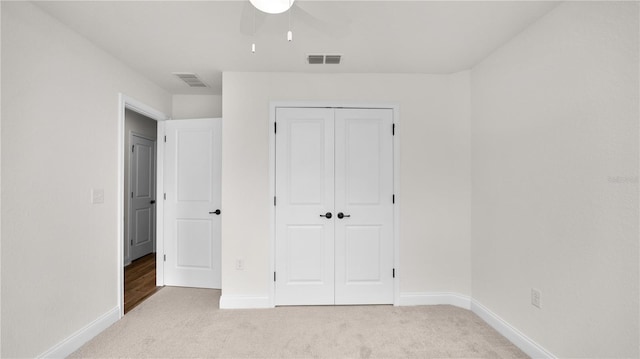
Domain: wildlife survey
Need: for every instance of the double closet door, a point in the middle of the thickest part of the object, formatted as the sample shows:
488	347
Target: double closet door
334	206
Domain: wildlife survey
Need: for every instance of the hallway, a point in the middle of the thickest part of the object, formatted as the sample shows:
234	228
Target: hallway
139	281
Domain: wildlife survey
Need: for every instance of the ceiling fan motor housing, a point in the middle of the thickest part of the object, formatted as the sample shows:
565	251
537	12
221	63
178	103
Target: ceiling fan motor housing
272	6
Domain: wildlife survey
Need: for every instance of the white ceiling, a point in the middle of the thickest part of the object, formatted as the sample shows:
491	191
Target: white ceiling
157	38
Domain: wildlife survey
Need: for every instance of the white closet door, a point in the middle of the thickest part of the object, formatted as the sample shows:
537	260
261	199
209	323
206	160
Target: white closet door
364	195
192	184
305	190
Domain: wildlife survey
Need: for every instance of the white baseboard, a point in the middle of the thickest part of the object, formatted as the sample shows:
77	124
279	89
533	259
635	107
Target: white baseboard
79	338
516	337
435	298
243	302
530	347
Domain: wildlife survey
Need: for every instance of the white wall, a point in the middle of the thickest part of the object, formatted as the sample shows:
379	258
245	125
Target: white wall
197	106
555	180
59	140
140	124
435	163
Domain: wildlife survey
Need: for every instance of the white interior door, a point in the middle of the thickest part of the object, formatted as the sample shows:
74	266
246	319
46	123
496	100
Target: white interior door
304	178
192	204
335	163
142	185
364	206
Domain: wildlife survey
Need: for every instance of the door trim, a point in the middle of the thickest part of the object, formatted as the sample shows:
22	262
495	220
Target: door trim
126	102
273	105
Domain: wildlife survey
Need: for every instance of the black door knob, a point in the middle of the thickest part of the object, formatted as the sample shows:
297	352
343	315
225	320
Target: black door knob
153	201
217	211
342	215
328	215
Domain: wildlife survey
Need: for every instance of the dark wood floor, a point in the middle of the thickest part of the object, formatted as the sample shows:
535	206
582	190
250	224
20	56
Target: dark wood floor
139	281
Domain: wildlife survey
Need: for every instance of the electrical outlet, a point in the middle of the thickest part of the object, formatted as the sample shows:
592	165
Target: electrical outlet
239	264
97	196
535	298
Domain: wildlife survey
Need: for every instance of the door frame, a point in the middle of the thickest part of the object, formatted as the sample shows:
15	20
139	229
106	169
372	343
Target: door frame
125	102
155	174
273	106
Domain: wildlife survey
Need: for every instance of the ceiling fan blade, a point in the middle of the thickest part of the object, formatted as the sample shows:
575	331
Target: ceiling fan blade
249	16
336	28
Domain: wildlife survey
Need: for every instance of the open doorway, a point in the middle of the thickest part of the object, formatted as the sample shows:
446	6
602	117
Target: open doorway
140	267
140	178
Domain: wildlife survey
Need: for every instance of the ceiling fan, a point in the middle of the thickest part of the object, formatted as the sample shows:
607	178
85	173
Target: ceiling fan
272	6
255	12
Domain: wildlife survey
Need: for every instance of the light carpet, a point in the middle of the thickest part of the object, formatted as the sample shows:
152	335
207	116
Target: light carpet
186	322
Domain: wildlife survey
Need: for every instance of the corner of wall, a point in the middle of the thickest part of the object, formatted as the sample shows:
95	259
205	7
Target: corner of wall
196	106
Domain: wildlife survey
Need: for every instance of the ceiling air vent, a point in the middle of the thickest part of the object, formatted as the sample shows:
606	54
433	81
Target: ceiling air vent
315	59
192	80
324	59
332	59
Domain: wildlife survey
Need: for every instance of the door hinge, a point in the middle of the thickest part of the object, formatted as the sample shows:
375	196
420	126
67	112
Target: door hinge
165	138
165	196
274	200
393	129
132	147
394	273
132	242
131	194
275	127
393	198
274	276
164	257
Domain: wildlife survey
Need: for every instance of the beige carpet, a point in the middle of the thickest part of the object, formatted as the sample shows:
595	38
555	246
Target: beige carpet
184	322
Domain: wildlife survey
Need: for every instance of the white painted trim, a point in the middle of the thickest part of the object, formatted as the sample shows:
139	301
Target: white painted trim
143	109
396	207
435	298
272	209
273	105
515	336
160	149
333	104
79	338
126	102
244	302
120	204
526	344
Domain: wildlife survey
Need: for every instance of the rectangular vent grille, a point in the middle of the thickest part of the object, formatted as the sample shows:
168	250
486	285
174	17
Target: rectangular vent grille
192	80
324	59
332	59
316	59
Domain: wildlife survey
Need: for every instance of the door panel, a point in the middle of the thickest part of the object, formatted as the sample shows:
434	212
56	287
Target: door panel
364	193
362	160
305	254
195	165
142	211
359	240
192	184
306	161
304	188
194	244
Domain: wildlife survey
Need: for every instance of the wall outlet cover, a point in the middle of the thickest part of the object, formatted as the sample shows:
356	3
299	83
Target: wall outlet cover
97	196
535	298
